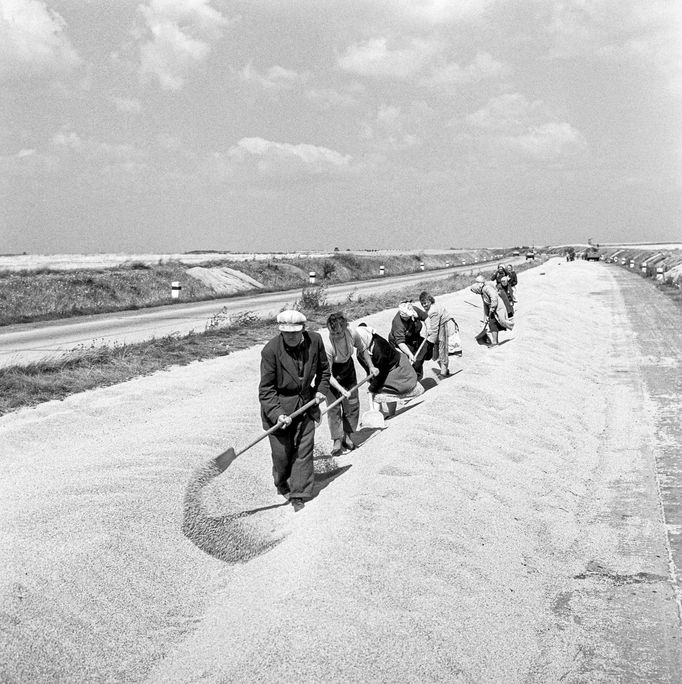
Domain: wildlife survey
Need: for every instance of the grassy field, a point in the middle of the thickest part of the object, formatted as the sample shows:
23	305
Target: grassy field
22	386
49	295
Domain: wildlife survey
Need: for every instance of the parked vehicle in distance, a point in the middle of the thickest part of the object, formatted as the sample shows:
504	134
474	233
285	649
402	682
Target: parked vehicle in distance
592	254
516	253
530	255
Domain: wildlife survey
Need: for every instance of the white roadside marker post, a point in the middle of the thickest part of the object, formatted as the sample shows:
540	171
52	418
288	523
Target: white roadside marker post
175	289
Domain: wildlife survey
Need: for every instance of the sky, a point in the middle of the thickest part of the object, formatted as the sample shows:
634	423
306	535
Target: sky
270	125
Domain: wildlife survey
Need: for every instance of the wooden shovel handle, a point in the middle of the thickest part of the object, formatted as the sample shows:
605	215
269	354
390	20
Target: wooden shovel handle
341	398
274	428
313	402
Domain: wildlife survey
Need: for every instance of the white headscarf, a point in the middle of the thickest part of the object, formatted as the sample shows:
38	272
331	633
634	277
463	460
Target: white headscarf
406	310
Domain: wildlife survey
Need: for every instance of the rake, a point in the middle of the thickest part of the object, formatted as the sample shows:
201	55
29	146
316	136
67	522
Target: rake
223	460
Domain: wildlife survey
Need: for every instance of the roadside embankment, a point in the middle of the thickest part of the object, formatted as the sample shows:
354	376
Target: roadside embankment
55	374
662	263
51	293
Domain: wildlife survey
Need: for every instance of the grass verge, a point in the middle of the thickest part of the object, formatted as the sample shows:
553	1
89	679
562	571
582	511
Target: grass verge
50	295
670	290
84	369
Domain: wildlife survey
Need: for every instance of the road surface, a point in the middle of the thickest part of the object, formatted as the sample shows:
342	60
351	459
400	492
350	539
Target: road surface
21	344
519	523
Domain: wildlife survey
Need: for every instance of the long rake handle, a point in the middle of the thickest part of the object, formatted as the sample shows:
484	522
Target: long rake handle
421	346
485	326
276	427
416	354
295	414
341	398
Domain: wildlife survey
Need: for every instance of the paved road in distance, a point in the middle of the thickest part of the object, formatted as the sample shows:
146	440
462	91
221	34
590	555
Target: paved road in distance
31	342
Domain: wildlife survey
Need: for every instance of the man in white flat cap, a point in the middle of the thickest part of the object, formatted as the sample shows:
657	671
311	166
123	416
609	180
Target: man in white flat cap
294	369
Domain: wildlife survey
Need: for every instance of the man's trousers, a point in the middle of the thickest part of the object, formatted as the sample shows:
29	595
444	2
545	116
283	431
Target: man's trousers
292	458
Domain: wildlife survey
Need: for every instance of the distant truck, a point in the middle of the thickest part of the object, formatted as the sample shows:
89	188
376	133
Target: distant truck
592	254
530	255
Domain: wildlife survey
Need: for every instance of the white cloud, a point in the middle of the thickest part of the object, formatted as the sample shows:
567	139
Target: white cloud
620	30
28	163
376	58
510	112
483	67
547	142
176	36
126	105
33	41
69	144
528	129
286	159
396	128
275	79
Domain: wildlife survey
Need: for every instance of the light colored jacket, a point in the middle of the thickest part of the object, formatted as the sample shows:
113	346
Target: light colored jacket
438	316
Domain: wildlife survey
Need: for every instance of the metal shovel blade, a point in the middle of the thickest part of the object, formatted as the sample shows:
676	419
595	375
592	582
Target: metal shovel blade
222	461
373	420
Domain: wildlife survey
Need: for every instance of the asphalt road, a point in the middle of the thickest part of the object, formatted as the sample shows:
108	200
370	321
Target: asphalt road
519	523
20	344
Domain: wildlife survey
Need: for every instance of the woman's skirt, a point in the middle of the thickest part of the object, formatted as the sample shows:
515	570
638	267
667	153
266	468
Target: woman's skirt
401	380
503	321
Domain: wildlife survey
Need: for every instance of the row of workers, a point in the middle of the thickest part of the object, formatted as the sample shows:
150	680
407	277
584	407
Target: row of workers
299	367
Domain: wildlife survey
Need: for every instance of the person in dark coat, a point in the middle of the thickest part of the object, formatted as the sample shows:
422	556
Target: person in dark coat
513	282
294	369
406	335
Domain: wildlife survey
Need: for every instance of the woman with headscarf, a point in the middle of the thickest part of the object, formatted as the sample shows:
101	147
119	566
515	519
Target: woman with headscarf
443	332
513	282
396	379
406	334
493	308
340	346
502	280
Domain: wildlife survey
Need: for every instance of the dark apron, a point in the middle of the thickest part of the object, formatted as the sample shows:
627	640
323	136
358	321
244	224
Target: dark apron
344	373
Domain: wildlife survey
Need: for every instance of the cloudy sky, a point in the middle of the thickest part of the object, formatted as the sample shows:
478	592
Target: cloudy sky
173	125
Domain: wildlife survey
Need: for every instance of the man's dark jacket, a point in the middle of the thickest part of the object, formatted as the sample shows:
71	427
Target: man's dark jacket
281	391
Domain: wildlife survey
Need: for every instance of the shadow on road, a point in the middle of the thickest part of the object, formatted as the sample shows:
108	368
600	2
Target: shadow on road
324	479
239	536
232	538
